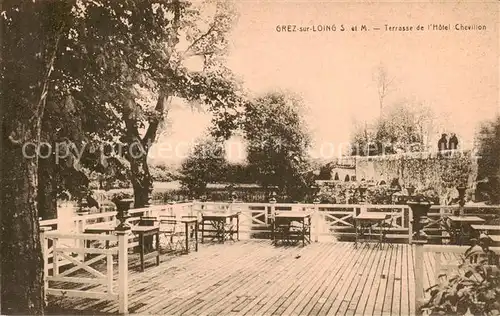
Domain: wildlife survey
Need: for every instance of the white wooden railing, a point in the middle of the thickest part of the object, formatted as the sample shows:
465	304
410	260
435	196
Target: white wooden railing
76	258
328	219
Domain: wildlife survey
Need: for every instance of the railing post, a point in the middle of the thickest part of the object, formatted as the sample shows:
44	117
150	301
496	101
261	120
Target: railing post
80	243
55	258
437	265
316	220
444	233
419	274
122	271
45	254
272	208
410	226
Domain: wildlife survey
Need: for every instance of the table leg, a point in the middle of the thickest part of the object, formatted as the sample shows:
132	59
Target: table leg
157	248
141	246
223	229
187	237
380	234
202	229
273	234
356	235
196	235
238	227
370	232
303	232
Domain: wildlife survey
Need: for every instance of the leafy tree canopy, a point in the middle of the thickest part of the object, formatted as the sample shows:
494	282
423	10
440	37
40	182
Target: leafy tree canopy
278	140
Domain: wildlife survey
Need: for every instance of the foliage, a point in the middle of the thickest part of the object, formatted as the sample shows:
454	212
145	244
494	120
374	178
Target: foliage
489	162
474	290
439	173
325	172
161	173
428	194
277	143
347	192
402	127
238	173
379	194
205	164
121	76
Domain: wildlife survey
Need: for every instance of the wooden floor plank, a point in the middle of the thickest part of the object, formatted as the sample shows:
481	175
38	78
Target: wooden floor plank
216	272
357	305
303	285
254	289
377	288
357	283
214	302
306	297
384	283
315	303
347	278
277	287
327	293
140	281
391	279
411	278
256	278
398	278
257	291
181	269
186	274
405	307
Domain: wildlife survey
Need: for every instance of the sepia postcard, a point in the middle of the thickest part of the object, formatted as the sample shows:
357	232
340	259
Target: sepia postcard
249	157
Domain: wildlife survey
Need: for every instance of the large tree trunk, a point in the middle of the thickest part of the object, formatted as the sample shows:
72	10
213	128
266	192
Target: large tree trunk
21	260
138	149
21	256
142	181
47	188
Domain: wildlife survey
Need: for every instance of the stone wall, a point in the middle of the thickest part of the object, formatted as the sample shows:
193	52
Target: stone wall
441	172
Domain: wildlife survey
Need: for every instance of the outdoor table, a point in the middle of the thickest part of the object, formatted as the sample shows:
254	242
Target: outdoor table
486	228
190	229
282	224
141	231
364	224
219	221
145	231
100	228
461	227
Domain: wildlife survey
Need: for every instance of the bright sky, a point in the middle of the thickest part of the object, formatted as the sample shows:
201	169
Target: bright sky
453	72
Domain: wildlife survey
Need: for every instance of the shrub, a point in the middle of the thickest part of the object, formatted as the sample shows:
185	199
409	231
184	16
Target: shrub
475	290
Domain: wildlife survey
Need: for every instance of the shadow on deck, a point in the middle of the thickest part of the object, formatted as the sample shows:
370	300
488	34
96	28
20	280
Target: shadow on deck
253	277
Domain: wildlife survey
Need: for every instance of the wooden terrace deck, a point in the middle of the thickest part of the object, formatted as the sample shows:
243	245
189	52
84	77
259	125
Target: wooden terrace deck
253	277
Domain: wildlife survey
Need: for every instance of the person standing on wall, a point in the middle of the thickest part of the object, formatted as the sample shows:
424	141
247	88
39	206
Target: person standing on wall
443	143
453	142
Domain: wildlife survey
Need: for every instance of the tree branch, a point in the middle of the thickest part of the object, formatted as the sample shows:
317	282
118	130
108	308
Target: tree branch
196	41
152	130
40	108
